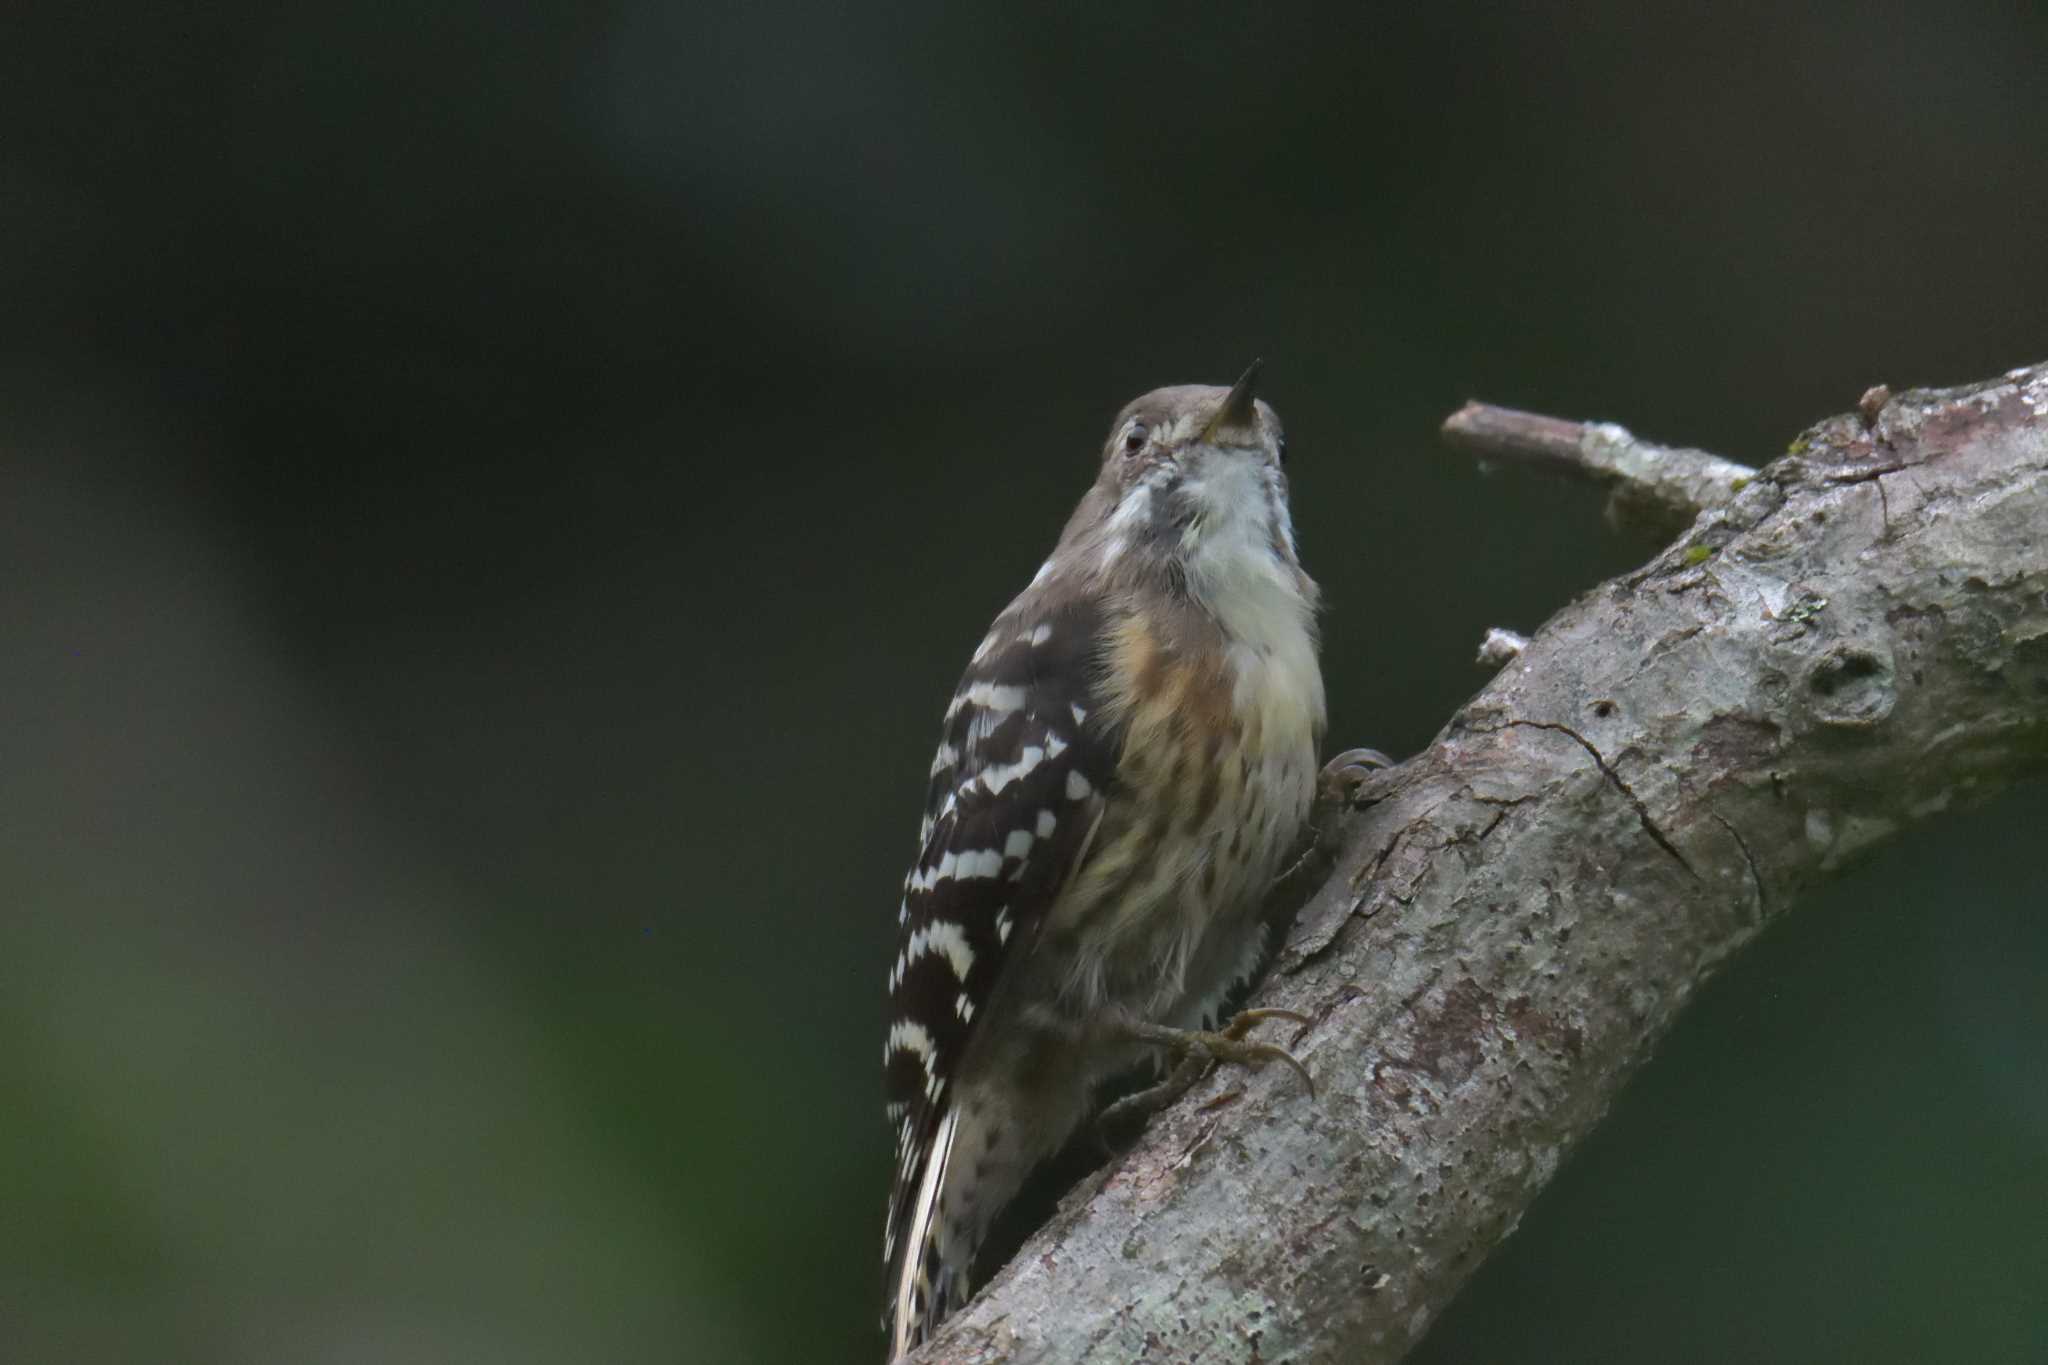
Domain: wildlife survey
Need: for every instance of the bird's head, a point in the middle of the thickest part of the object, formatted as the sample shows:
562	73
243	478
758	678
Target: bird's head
1189	474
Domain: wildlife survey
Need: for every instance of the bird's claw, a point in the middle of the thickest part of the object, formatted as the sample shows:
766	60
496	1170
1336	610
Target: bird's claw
1227	1044
1343	775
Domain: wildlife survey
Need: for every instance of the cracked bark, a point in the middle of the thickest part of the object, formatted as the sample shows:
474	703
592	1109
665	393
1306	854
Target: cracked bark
1841	645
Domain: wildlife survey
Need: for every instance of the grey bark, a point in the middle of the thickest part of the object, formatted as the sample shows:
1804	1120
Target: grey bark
1836	649
1661	487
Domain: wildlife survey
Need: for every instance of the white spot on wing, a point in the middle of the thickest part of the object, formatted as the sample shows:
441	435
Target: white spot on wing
1054	746
1003	774
1080	714
918	1234
996	698
942	936
964	866
1046	824
1018	845
982	726
907	1035
1040	634
1077	786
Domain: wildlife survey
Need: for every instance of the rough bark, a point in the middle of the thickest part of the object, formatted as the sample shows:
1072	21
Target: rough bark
1837	648
1658	486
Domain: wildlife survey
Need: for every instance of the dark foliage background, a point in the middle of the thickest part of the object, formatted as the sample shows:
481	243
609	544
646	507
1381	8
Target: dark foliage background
496	497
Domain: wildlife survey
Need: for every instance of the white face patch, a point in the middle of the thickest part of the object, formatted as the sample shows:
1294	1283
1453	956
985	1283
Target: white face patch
1235	501
1134	510
1133	513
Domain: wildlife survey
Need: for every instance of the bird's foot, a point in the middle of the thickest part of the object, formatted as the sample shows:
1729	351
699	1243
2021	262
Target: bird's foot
1343	775
1199	1049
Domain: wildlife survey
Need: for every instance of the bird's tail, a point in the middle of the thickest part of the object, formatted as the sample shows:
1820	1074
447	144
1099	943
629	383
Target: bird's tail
925	1283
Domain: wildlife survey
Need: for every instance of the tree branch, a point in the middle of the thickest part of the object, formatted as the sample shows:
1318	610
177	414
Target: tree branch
1842	644
1661	487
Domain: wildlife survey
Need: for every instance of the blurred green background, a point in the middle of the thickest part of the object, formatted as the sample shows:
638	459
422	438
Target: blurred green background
494	498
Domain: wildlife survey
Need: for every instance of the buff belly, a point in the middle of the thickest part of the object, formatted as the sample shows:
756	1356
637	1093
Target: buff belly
1163	916
1213	789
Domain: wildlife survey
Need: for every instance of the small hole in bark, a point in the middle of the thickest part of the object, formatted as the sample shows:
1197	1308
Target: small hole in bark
1819	517
1851	687
1603	709
1840	672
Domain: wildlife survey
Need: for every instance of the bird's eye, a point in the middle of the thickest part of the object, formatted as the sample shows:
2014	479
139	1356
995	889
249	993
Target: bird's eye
1283	452
1134	439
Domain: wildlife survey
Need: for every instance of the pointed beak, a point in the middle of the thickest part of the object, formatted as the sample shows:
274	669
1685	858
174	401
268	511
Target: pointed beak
1239	409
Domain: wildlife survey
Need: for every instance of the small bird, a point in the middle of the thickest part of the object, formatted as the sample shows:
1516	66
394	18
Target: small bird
1127	761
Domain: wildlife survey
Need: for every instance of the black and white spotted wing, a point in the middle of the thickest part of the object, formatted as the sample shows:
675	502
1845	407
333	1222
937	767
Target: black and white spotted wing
1015	787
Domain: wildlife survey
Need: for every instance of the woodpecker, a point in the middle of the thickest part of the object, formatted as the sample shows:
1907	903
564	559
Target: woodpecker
1127	761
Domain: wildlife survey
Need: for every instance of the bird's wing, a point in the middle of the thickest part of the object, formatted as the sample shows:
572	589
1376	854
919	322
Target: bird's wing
1015	789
